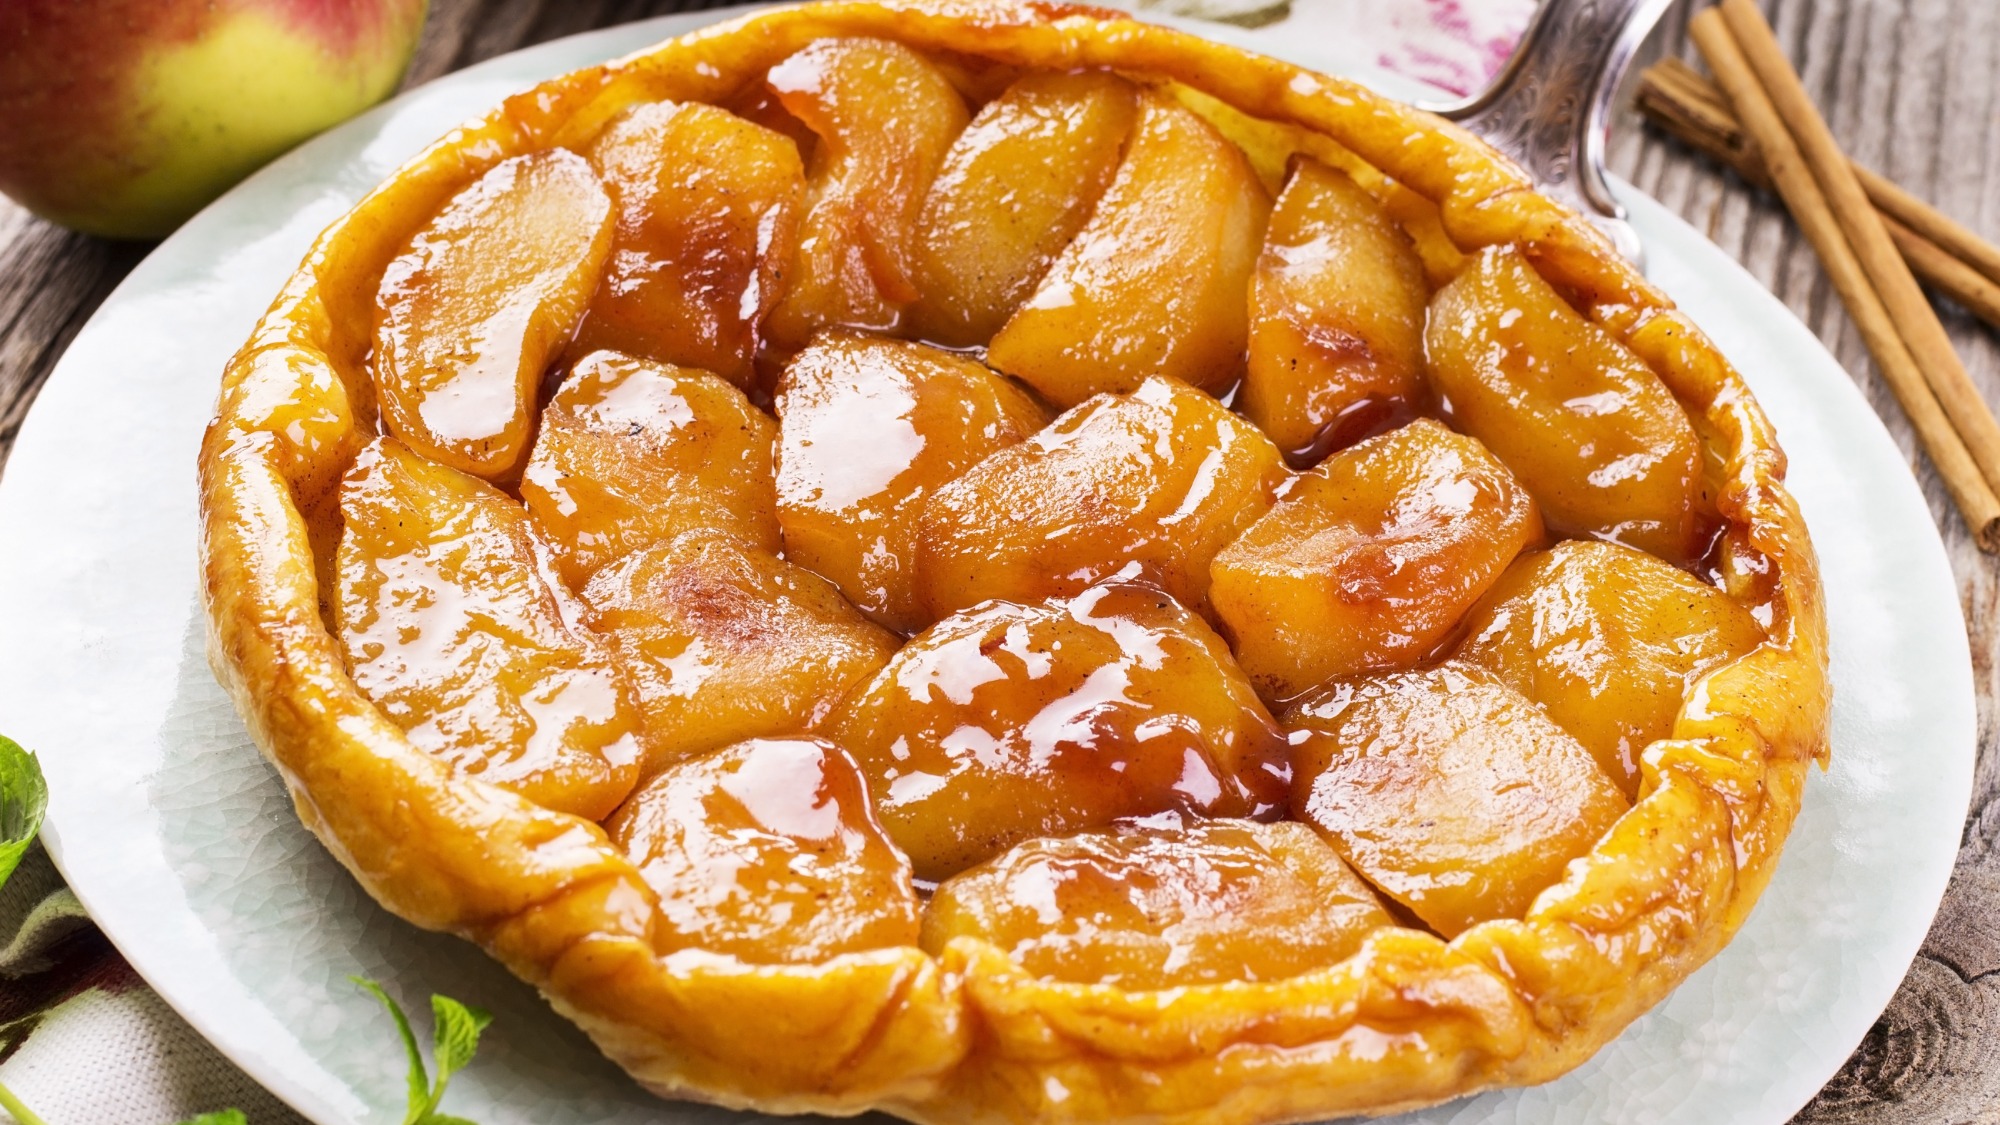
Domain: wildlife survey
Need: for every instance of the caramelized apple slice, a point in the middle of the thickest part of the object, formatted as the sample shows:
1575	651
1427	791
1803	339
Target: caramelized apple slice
1586	424
1448	790
1157	282
634	453
708	210
1146	906
471	311
724	642
1608	640
1336	311
1010	721
445	622
1149	484
870	429
1015	188
1371	559
885	119
768	851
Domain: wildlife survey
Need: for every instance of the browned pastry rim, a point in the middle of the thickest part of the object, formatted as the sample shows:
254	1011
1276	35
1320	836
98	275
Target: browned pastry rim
968	1037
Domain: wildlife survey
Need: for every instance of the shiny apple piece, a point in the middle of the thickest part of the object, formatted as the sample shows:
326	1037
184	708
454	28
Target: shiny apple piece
1587	426
1017	185
634	453
1371	559
1150	484
768	851
1608	640
446	623
869	429
885	118
1448	790
1009	721
708	209
724	642
1144	906
472	310
1157	282
1337	308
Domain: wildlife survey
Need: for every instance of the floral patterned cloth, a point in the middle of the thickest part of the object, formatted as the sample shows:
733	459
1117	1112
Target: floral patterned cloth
83	1040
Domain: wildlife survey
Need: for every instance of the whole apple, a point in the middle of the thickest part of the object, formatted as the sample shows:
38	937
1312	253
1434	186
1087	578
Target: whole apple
124	117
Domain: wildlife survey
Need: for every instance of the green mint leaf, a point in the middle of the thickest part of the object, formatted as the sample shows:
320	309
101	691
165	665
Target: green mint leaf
447	1119
421	1101
456	1037
24	797
219	1117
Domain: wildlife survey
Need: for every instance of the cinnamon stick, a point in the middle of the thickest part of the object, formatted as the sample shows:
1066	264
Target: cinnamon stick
1963	476
1917	321
1949	258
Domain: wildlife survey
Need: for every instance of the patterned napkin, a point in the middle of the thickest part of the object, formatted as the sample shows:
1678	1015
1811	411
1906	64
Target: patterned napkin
83	1040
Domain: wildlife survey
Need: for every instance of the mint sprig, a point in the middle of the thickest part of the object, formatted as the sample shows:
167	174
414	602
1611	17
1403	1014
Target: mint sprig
454	1037
24	799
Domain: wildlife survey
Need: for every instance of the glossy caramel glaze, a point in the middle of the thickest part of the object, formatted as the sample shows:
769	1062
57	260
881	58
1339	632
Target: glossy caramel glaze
724	642
480	300
447	625
1156	283
633	453
1336	311
1016	187
1009	721
1448	790
1609	641
1371	559
1588	427
1148	484
768	850
708	209
885	118
1146	905
869	430
963	1033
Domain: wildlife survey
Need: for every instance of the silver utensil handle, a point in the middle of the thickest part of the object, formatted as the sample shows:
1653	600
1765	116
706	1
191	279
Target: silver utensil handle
1550	106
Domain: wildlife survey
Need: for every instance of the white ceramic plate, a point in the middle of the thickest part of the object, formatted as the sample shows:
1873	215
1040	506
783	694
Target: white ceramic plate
183	845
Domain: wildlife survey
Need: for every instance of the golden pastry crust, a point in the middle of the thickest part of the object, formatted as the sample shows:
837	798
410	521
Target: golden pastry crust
969	1037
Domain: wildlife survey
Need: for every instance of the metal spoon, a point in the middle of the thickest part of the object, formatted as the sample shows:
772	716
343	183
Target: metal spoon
1550	106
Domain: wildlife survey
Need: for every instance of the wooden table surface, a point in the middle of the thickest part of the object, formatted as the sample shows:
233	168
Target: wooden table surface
1912	87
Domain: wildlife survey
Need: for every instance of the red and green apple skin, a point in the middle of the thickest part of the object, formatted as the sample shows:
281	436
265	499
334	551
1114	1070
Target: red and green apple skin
124	117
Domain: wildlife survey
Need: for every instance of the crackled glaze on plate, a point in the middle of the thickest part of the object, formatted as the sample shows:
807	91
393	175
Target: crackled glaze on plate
183	844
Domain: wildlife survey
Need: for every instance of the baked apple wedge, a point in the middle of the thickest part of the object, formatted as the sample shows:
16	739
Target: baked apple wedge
634	453
1336	313
1151	905
1148	485
869	430
768	851
445	622
708	209
1608	640
885	118
1012	721
1371	559
723	642
1017	185
1587	426
474	307
1157	281
1448	790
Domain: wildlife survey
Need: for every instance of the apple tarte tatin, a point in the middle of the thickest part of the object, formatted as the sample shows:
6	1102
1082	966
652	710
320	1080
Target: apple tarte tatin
1002	563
